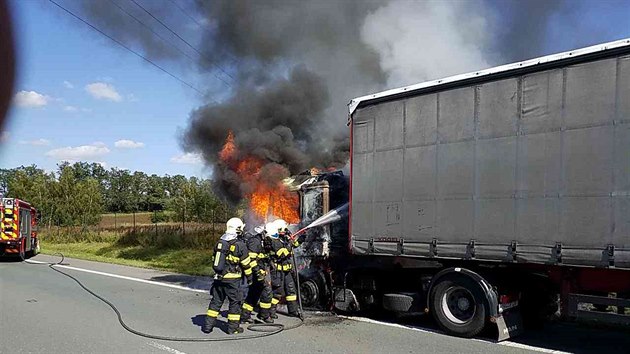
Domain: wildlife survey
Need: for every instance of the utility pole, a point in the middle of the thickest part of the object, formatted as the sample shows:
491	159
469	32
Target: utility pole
184	218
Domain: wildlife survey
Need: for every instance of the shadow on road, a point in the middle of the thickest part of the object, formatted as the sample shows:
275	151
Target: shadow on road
578	338
200	320
560	336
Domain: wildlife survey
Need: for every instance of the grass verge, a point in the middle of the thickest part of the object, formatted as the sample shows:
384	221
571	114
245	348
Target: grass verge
182	260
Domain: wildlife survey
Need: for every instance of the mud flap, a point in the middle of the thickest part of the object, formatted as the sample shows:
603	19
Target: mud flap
509	324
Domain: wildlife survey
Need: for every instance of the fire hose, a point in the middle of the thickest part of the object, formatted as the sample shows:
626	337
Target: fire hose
263	329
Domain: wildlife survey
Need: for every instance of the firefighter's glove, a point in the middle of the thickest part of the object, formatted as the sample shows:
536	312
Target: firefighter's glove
261	275
249	280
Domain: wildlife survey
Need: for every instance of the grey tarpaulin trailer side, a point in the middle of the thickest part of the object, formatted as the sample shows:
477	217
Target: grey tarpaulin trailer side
523	163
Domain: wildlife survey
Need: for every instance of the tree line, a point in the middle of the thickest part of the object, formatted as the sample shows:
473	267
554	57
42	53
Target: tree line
77	194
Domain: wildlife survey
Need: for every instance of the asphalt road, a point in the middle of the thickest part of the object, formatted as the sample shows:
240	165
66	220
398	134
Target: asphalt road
42	311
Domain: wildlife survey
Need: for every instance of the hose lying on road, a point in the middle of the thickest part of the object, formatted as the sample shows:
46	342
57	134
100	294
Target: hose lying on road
263	329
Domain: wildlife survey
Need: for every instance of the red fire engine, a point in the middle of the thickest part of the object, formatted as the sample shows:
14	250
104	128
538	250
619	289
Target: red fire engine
18	228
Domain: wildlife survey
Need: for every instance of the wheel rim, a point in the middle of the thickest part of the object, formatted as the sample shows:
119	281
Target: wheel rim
309	292
458	305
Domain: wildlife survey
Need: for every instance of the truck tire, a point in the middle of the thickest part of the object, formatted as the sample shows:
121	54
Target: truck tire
458	306
35	250
22	253
397	302
313	290
310	293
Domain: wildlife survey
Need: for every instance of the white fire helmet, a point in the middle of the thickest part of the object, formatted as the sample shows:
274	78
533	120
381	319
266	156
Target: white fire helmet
271	229
259	229
281	225
234	225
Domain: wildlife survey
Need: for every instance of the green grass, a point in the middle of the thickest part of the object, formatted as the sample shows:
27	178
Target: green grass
182	260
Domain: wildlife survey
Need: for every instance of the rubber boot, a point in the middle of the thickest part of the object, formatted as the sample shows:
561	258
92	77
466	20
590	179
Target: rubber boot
246	317
265	315
267	319
209	324
292	308
234	327
272	311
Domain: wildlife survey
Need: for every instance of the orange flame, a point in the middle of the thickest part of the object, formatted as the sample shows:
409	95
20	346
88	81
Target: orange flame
266	198
229	149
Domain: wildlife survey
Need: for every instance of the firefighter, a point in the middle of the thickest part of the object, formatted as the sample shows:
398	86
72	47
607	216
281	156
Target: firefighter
282	276
261	288
231	261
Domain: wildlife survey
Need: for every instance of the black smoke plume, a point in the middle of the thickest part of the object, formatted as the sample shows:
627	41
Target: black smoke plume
296	65
278	125
292	66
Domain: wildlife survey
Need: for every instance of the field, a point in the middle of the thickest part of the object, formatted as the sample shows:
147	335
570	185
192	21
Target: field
166	246
115	220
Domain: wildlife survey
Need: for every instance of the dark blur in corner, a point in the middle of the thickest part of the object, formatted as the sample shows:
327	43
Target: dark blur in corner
7	61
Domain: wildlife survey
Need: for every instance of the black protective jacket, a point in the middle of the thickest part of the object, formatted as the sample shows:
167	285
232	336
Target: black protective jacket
237	260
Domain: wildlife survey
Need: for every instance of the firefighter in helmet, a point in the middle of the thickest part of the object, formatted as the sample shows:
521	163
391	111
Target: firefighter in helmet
282	273
260	290
231	261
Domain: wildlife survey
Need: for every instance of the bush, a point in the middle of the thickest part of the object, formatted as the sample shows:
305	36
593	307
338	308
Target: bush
165	236
171	236
158	217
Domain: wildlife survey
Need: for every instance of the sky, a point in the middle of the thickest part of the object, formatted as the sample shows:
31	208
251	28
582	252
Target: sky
79	97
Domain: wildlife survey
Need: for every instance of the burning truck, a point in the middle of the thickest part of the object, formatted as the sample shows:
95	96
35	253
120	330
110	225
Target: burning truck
489	200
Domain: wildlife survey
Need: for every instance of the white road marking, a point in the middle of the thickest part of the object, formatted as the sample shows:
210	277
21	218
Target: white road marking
529	347
423	330
179	287
165	348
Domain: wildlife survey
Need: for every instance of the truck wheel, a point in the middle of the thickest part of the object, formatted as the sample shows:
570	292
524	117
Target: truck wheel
458	306
310	293
313	290
35	251
22	253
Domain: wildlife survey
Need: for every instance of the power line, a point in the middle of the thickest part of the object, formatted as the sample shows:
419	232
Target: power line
162	38
174	2
182	10
182	39
185	12
124	46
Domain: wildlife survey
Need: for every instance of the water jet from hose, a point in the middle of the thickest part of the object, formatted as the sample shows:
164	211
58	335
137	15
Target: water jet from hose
330	217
